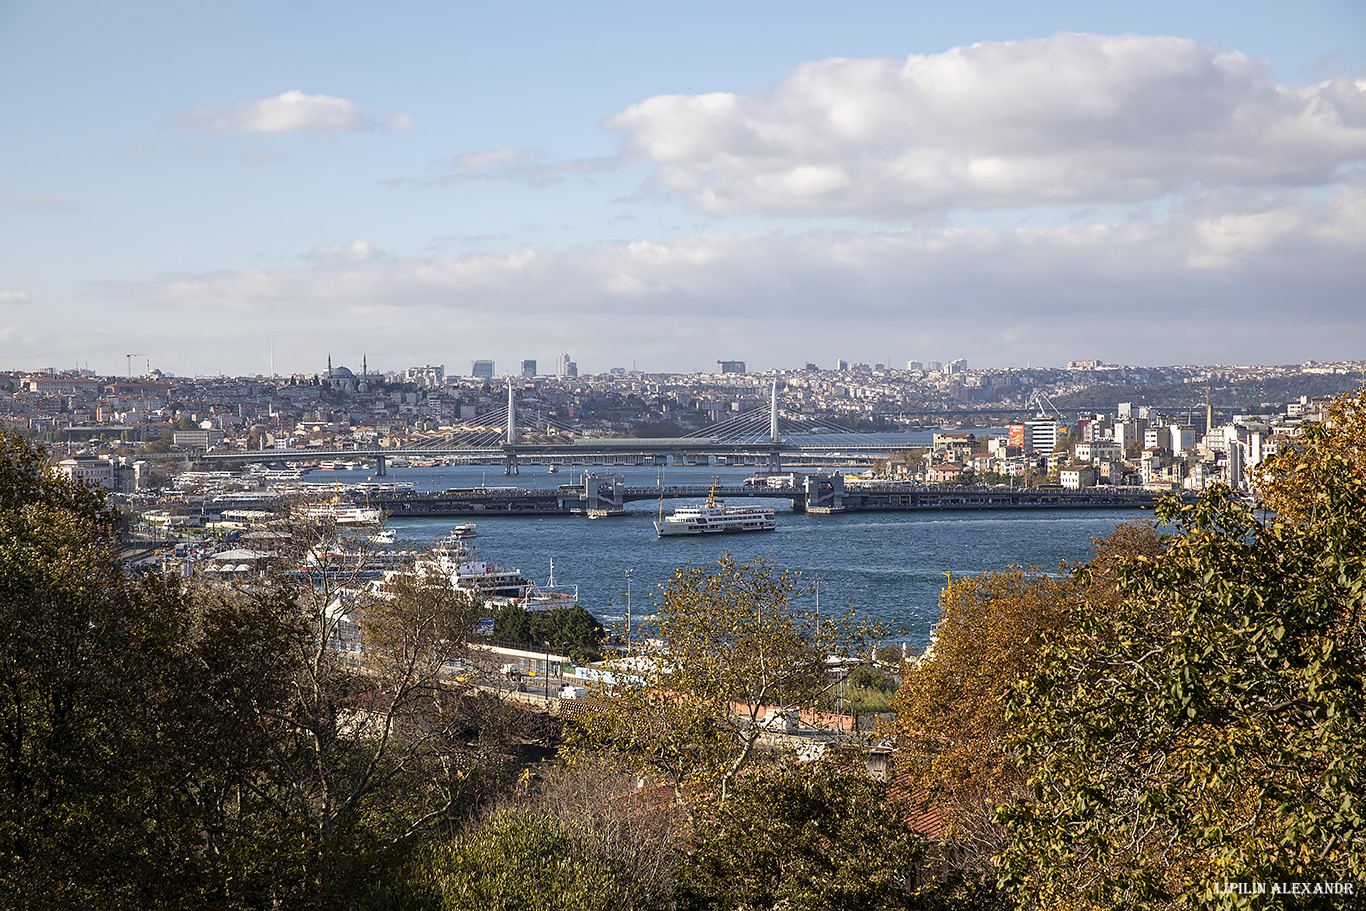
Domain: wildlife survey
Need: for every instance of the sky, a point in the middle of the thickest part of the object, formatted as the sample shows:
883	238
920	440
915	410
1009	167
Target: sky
251	187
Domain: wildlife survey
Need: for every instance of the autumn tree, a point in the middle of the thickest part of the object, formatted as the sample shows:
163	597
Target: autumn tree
1208	726
809	837
950	711
733	646
952	733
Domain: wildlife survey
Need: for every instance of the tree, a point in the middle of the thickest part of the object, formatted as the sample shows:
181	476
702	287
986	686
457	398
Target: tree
950	726
121	744
168	745
734	646
517	861
952	731
1293	483
804	837
1208	725
587	837
371	744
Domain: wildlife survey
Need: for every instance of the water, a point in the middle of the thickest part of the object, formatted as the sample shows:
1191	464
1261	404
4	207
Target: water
889	566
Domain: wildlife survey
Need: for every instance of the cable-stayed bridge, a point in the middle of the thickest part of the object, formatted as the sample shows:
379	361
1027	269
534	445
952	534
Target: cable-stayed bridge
765	438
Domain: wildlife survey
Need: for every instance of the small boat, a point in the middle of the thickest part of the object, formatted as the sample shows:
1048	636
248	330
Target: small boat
462	531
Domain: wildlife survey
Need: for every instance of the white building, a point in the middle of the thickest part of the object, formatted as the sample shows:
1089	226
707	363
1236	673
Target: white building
1077	477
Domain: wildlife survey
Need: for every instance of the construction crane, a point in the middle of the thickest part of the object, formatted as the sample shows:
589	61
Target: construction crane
1039	399
130	364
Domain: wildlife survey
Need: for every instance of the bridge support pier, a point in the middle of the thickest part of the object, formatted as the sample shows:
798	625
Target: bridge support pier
381	466
510	466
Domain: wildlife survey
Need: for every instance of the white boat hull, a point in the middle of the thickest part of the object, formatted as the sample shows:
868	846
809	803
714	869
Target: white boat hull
714	519
666	529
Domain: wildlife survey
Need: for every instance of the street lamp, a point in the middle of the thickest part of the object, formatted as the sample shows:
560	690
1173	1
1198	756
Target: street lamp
628	611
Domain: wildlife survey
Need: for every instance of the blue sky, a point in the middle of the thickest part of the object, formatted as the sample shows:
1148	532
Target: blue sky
204	183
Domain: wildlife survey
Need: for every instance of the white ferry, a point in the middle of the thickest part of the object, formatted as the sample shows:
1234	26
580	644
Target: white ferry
341	513
454	559
714	518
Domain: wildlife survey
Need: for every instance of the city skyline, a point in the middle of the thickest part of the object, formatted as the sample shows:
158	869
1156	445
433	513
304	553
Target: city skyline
246	189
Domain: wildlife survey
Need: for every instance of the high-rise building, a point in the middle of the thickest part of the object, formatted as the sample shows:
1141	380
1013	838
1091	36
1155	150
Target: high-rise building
481	369
529	367
841	364
730	366
914	365
565	367
426	375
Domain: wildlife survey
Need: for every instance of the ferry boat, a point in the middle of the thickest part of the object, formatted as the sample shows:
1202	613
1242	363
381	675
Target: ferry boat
714	518
454	559
341	513
351	561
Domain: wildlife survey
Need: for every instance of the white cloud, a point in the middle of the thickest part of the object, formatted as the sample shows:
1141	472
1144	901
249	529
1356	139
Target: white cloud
485	158
23	340
357	251
15	297
1067	120
292	112
520	165
1210	285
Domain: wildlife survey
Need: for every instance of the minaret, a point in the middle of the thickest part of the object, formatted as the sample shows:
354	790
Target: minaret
364	371
329	365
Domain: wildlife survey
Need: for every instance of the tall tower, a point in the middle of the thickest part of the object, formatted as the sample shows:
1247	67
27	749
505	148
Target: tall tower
512	416
773	415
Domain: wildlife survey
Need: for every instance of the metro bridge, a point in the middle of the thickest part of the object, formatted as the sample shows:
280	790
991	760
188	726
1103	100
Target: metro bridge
752	438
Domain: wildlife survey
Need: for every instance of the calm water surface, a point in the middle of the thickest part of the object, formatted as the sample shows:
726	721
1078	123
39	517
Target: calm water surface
889	566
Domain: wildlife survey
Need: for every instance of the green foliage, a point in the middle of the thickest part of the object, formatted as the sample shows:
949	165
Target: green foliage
870	678
565	628
797	838
867	690
734	647
163	746
953	733
518	860
890	654
1208	725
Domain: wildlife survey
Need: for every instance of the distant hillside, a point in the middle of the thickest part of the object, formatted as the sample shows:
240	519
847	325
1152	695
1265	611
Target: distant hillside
1243	396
